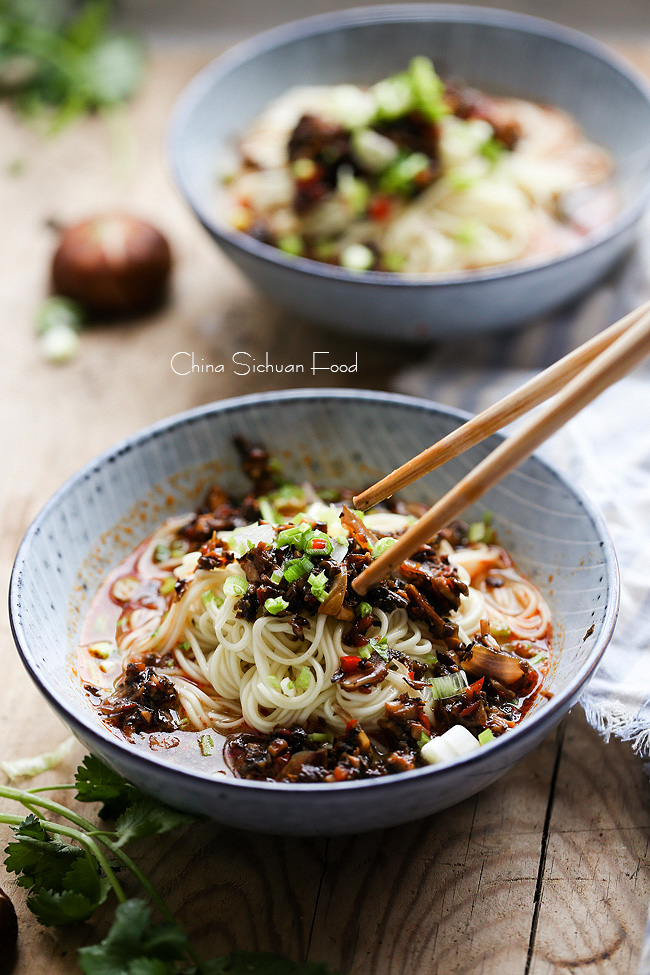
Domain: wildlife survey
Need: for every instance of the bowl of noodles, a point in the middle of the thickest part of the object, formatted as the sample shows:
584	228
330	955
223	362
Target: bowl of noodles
186	604
417	170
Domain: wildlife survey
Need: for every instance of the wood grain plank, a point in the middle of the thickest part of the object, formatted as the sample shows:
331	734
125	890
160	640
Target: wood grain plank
453	893
596	887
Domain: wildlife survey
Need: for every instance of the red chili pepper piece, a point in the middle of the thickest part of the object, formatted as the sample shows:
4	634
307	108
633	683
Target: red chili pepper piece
380	207
474	689
425	721
341	774
353	723
318	543
470	709
412	674
349	664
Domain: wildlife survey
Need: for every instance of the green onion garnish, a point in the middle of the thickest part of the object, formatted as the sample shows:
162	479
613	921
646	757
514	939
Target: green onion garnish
431	659
485	737
267	511
293	535
318	543
276	605
450	685
207	597
381	546
184	646
161	552
538	658
303	678
380	646
317	584
274	682
365	651
296	568
167	585
481	531
277	576
423	739
500	630
292	244
365	609
235	586
492	150
319	736
206	745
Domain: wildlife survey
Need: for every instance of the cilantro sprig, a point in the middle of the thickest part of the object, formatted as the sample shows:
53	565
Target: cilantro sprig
69	868
61	64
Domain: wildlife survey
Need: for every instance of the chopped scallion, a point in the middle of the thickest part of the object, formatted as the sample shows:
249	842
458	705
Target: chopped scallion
450	685
276	605
303	679
274	682
296	568
365	609
500	630
167	585
382	546
485	737
235	586
206	744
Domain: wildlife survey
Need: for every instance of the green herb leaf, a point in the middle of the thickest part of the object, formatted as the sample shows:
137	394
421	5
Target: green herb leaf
98	783
147	817
135	946
65	886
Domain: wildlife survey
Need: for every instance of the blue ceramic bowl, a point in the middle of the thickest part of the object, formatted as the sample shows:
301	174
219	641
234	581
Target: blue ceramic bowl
495	50
334	438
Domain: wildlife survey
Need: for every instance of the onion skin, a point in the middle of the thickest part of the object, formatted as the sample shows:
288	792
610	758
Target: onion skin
8	934
113	265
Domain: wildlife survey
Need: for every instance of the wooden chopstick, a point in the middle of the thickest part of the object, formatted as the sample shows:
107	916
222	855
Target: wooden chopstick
511	407
610	366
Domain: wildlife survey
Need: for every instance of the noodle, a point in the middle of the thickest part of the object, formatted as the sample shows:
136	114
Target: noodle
255	630
452	180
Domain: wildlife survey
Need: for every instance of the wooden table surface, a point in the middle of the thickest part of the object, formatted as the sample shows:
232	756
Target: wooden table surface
544	872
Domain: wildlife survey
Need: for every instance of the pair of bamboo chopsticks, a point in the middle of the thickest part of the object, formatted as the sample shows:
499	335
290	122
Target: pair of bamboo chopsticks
574	381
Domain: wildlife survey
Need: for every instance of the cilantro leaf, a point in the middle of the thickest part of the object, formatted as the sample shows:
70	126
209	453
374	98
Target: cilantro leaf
42	861
135	946
97	782
147	817
53	907
64	885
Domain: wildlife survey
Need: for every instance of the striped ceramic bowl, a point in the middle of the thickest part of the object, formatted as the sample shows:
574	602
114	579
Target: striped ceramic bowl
332	438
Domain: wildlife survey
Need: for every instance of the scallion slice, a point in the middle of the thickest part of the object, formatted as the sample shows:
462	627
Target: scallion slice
206	744
274	682
381	546
235	586
296	568
450	685
167	585
276	605
485	737
303	679
318	584
365	609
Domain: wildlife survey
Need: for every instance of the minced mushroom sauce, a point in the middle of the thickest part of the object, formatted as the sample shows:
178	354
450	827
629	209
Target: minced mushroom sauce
135	695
